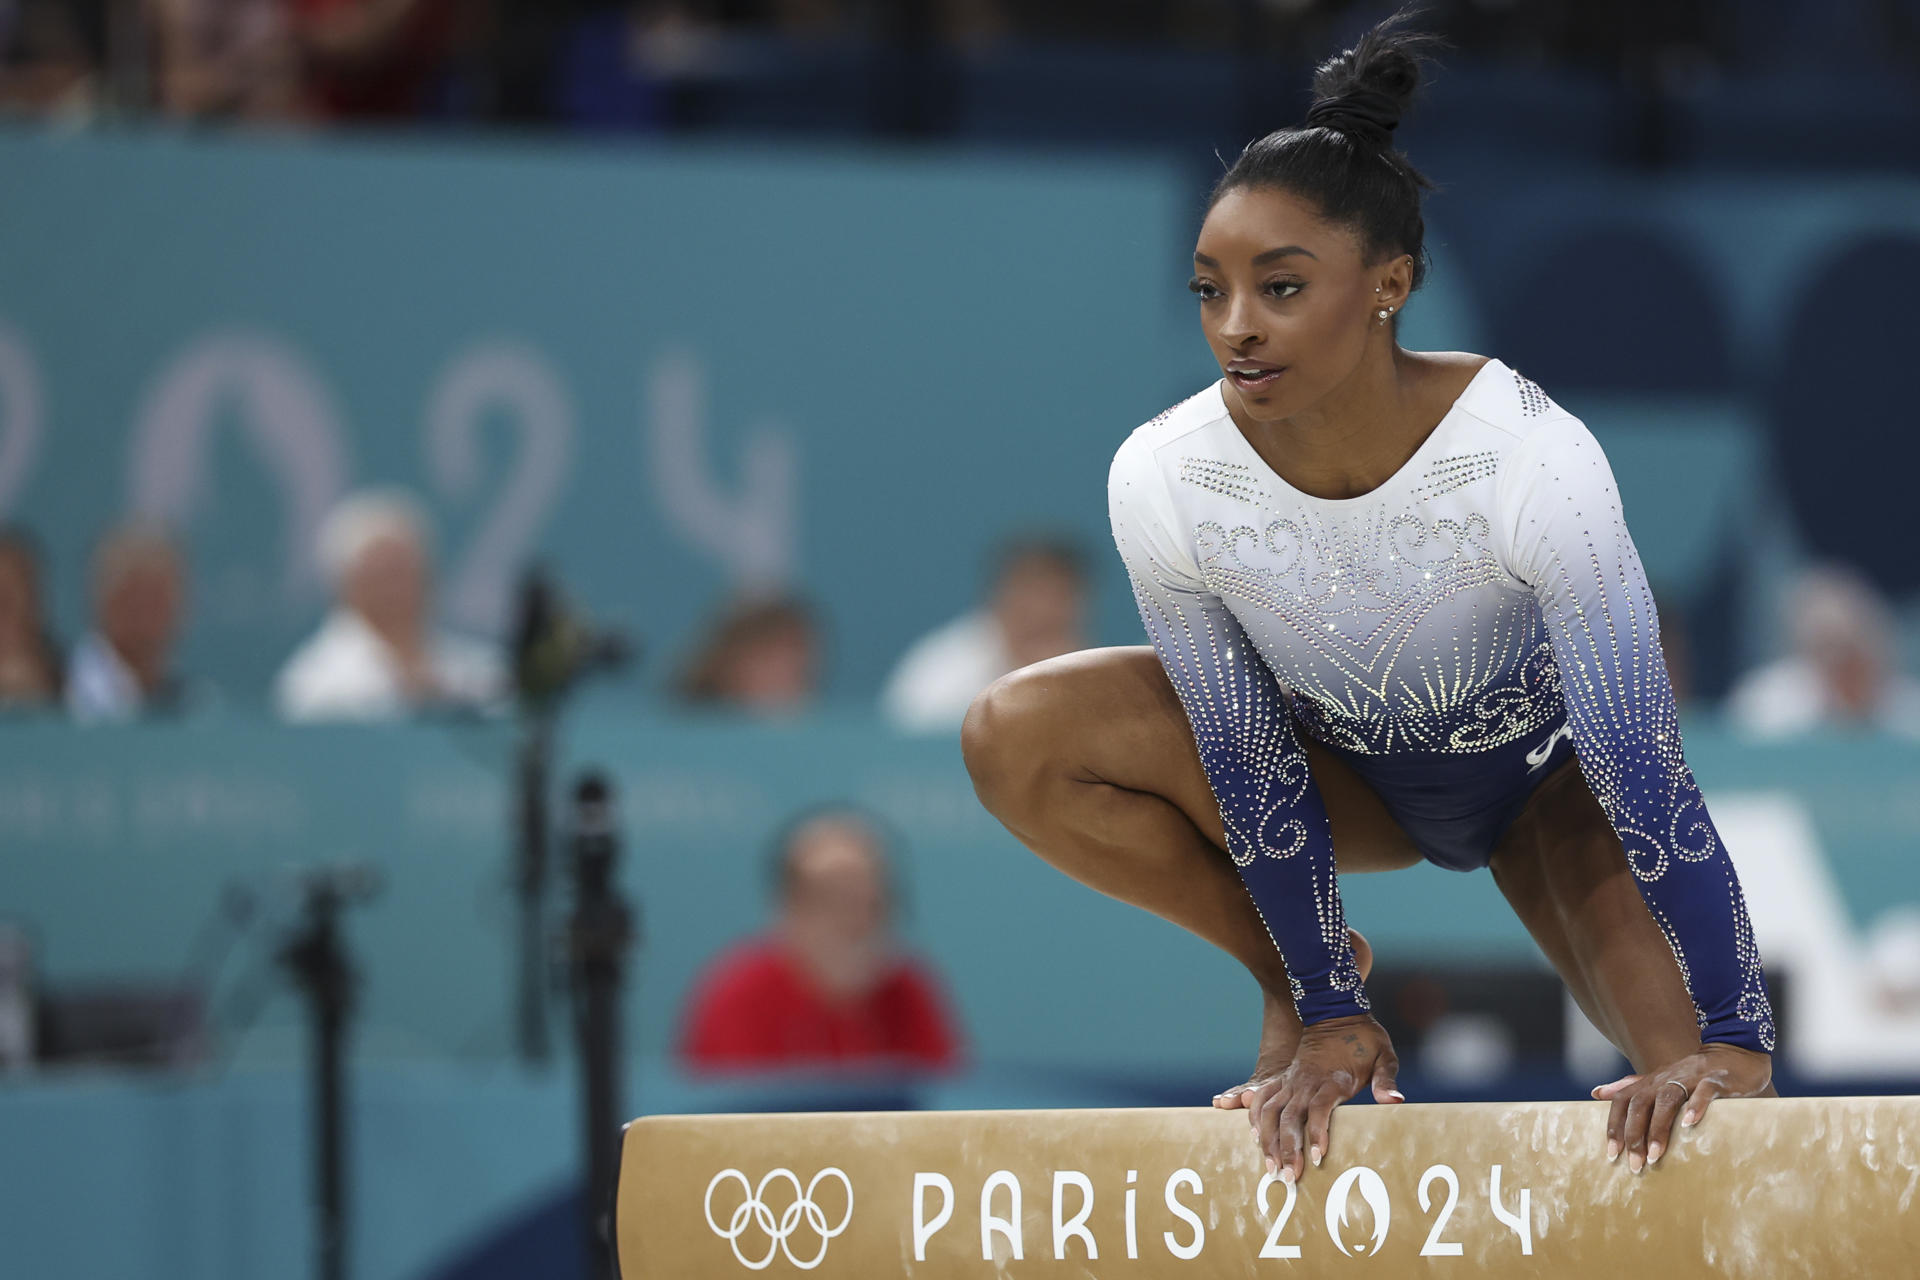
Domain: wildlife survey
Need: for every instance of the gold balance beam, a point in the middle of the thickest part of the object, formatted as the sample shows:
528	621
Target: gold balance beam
1762	1188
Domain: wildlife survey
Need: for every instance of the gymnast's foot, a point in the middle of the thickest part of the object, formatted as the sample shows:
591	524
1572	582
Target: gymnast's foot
1280	1033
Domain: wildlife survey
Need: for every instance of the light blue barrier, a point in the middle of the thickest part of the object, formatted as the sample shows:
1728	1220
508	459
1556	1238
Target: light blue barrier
118	844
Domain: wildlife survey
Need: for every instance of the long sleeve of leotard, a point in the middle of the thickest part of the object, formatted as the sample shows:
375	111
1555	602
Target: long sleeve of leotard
1568	541
1276	822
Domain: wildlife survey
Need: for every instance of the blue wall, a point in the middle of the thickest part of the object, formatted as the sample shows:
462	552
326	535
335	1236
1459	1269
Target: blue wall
120	842
676	369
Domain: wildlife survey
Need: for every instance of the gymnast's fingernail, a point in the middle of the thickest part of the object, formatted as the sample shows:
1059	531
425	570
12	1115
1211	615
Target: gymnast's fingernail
1286	1175
1653	1153
1273	1166
1316	1157
1613	1150
1635	1162
1690	1119
1395	1093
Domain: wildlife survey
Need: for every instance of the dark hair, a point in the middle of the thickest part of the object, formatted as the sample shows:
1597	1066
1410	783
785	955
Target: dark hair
1341	156
744	622
17	540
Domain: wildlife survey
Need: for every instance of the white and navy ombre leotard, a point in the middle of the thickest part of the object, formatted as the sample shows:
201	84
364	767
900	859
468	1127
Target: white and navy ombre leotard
1446	634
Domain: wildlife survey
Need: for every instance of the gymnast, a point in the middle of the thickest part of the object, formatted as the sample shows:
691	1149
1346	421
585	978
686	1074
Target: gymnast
1395	614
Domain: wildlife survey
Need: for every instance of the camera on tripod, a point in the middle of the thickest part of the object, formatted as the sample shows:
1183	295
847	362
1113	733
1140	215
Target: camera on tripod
555	646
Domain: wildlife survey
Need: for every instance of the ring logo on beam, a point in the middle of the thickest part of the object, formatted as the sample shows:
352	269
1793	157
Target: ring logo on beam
756	1217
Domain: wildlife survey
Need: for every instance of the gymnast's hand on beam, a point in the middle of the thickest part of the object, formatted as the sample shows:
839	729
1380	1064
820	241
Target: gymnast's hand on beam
1645	1106
1335	1060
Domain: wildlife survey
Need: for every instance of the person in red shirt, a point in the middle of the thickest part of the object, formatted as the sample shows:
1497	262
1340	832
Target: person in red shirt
826	986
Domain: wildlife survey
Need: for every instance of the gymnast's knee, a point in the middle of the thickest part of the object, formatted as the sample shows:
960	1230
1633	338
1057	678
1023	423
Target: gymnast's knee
1004	743
1062	723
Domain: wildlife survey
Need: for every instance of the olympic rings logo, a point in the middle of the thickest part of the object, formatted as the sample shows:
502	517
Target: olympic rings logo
755	1212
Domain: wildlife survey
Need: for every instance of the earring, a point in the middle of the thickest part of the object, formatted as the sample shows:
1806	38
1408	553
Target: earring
1384	314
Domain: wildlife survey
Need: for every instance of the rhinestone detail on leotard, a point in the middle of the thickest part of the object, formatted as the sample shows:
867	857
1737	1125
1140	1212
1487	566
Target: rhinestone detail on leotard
1437	614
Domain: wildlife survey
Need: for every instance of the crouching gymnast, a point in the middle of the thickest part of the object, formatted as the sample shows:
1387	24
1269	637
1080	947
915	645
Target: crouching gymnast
1395	614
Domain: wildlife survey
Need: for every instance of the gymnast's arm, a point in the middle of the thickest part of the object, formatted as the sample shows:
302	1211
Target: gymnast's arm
1570	545
1275	819
1568	541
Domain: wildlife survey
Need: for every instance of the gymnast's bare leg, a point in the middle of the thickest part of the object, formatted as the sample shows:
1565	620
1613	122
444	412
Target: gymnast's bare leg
1090	761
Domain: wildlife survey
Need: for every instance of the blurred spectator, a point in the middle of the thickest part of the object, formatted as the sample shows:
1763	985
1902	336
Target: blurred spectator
225	59
618	67
1036	611
51	55
762	656
377	656
1893	960
299	59
827	985
29	660
1841	672
122	669
372	59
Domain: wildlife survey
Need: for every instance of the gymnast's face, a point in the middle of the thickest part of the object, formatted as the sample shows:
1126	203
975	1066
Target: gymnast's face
1287	301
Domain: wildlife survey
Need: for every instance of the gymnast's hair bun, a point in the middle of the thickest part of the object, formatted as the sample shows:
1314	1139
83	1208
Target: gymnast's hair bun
1364	91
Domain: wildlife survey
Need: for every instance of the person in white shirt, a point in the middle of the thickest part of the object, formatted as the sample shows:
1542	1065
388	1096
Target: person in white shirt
378	656
1841	673
1037	610
122	668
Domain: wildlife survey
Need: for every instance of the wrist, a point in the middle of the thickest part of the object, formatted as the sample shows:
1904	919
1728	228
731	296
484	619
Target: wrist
1330	1005
1342	1022
1736	1037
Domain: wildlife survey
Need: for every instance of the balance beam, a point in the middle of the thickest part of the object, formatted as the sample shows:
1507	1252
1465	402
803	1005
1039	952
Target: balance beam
1762	1188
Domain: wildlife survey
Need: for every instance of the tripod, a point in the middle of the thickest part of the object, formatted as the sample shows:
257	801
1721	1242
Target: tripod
530	880
317	957
598	935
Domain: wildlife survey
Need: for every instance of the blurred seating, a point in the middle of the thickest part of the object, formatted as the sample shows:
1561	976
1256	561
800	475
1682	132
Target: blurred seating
1029	94
1614	306
1839	398
1803	120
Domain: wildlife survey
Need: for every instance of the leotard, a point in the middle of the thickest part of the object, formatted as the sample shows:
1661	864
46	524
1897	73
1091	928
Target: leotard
1451	634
